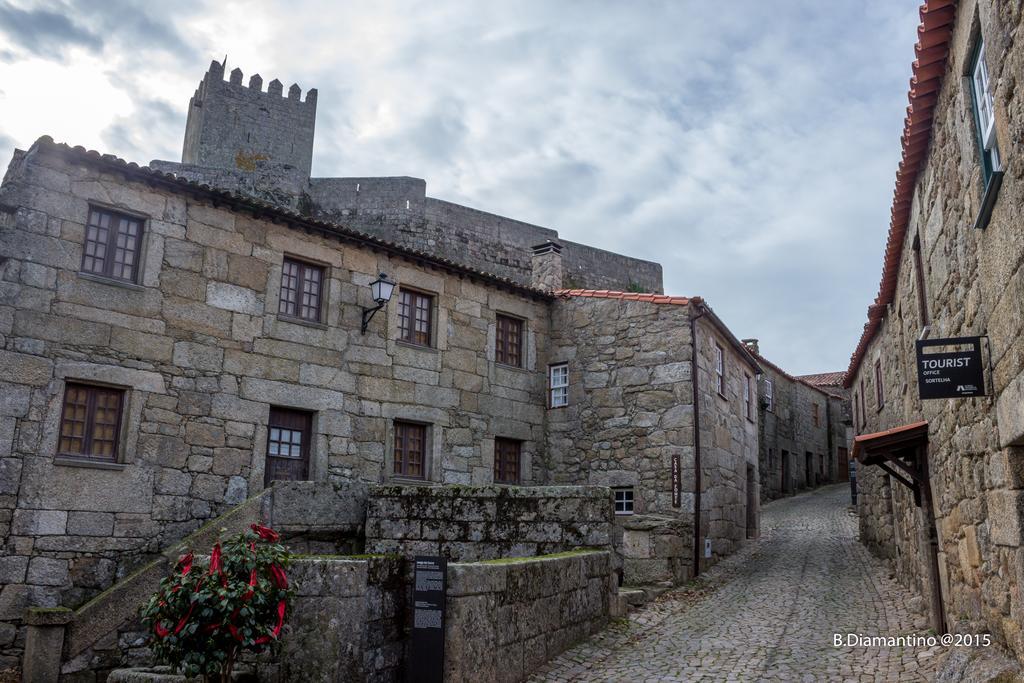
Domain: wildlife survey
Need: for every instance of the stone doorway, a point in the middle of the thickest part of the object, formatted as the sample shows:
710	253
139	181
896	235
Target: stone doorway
844	464
288	436
784	473
751	503
809	469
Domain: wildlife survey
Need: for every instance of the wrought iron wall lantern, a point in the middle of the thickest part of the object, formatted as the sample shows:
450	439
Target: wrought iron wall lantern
381	290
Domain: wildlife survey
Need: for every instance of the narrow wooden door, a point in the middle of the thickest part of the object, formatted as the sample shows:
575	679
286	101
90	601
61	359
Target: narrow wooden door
844	464
288	436
784	476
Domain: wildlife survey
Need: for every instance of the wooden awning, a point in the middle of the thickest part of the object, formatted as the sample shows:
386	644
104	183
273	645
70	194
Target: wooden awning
898	451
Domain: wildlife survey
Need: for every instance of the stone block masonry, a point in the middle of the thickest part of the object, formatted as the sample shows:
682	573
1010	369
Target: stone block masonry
506	618
489	522
232	126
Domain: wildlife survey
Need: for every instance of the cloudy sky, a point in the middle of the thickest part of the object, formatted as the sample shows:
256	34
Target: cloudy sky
748	146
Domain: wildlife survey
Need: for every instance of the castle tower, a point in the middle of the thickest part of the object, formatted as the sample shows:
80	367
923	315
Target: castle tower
241	128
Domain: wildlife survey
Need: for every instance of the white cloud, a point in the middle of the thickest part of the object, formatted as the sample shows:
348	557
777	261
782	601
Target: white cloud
749	147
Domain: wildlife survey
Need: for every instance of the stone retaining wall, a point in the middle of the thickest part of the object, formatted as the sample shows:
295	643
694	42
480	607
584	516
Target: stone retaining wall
487	522
506	618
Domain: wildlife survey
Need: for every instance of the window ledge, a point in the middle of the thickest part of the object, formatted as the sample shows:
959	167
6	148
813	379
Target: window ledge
410	481
988	202
85	275
412	345
65	461
722	396
300	321
506	366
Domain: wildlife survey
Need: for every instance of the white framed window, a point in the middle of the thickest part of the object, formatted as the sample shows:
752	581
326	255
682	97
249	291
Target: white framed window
720	368
769	395
623	500
558	385
984	110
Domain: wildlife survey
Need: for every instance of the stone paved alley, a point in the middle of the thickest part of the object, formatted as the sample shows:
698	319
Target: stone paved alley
770	612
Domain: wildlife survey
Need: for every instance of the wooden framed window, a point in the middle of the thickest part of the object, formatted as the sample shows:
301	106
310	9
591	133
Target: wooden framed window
302	287
112	245
748	403
90	422
856	413
720	369
507	454
623	500
769	395
558	385
415	313
879	391
508	341
815	417
289	433
410	450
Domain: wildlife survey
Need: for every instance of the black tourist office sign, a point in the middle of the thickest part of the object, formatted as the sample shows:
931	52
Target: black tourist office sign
950	368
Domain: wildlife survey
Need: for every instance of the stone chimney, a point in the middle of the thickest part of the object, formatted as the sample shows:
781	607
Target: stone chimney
752	345
547	266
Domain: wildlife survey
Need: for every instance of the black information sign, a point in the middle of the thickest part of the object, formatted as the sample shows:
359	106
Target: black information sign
950	374
676	483
426	660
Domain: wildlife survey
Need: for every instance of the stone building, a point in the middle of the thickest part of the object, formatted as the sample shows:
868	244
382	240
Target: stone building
941	482
168	348
803	441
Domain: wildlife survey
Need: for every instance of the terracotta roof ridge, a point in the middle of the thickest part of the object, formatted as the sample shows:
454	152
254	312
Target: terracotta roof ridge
649	297
931	52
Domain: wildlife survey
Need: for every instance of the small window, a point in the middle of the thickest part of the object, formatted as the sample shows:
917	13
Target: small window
507	454
815	416
863	404
112	245
301	290
720	369
747	402
410	450
856	412
623	500
984	112
558	385
769	395
415	313
508	341
922	294
90	422
879	391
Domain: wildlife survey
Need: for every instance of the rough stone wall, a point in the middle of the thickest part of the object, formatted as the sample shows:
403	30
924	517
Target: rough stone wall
203	356
728	443
346	623
630	398
231	126
974	284
505	619
789	428
398	210
487	522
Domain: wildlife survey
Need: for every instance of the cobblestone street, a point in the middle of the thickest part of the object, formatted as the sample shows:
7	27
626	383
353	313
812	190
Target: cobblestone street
770	614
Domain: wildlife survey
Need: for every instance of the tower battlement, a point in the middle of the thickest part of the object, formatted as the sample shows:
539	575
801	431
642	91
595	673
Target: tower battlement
241	127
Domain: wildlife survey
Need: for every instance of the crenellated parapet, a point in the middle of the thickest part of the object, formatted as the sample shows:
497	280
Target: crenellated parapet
240	127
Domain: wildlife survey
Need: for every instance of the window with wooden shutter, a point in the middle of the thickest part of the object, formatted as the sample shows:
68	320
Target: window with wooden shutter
410	450
301	290
90	423
508	341
507	453
415	313
112	245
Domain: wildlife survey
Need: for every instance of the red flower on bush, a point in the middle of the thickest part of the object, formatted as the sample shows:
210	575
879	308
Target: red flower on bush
200	626
266	533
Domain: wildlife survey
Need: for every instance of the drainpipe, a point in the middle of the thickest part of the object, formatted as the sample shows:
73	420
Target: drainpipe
694	372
